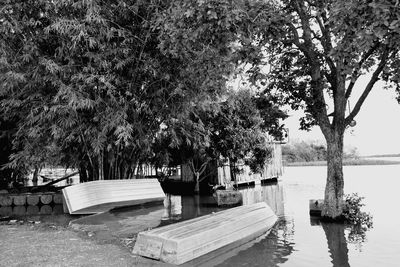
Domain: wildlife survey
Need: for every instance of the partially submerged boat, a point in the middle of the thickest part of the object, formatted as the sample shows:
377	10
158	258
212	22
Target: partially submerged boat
184	241
100	196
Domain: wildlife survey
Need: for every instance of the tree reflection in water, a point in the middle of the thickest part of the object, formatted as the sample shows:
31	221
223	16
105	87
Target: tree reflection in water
357	235
338	236
337	243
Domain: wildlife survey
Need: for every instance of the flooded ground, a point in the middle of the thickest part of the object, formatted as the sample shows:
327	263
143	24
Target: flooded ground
316	244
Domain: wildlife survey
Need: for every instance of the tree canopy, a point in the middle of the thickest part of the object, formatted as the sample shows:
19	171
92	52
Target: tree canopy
309	55
314	53
237	128
86	81
96	84
102	81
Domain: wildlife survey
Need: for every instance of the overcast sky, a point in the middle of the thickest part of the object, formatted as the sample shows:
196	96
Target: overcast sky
378	123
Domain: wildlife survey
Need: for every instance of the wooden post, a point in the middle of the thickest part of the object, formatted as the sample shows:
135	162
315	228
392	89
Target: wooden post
46	210
6	211
32	210
19	200
46	198
5	200
58	198
32	200
19	210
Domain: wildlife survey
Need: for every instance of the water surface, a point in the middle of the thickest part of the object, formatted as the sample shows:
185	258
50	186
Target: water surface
297	240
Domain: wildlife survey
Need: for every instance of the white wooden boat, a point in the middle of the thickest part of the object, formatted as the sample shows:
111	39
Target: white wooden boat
187	240
100	196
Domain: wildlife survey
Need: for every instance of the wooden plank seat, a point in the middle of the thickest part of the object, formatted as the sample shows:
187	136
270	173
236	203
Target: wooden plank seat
100	196
181	242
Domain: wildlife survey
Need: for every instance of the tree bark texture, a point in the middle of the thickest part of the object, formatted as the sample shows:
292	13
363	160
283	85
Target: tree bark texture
333	203
35	176
197	185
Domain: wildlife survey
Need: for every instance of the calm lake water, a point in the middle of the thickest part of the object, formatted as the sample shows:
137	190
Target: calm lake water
299	241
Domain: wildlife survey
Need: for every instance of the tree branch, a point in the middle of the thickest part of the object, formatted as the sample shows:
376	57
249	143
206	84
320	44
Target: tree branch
305	23
317	104
327	45
356	71
296	39
370	85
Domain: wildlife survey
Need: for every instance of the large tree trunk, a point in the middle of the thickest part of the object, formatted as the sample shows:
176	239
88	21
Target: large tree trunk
333	203
197	185
83	177
35	176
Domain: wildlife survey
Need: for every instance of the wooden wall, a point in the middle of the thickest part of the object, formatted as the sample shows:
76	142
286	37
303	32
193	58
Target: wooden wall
273	169
186	173
222	175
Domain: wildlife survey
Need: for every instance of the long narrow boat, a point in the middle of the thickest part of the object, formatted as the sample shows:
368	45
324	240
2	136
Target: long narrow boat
100	196
184	241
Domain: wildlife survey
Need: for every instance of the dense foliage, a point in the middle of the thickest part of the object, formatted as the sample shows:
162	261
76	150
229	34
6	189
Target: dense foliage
100	85
353	213
235	128
360	221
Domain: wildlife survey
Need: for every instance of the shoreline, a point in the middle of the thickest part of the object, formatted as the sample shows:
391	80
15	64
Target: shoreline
353	162
36	243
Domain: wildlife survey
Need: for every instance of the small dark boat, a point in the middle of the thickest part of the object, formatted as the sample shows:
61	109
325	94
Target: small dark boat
177	187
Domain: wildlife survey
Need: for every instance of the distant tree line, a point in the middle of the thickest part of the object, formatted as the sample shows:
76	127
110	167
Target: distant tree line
307	151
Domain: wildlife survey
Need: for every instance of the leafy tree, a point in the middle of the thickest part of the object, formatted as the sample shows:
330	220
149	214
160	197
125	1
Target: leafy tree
91	83
312	53
309	54
7	129
234	129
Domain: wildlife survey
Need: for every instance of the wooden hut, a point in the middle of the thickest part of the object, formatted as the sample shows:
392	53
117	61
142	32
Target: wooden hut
183	180
271	171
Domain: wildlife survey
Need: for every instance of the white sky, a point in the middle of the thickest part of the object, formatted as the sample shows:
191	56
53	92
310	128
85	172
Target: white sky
378	127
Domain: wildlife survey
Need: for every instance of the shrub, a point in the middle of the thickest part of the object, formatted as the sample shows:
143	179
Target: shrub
353	213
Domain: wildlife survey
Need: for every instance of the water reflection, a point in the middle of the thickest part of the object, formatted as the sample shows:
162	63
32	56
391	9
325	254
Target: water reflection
338	237
273	195
337	243
270	249
177	208
19	211
357	235
172	208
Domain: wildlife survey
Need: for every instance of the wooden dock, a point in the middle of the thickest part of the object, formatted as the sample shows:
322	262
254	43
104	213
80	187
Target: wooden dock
187	240
100	196
316	206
